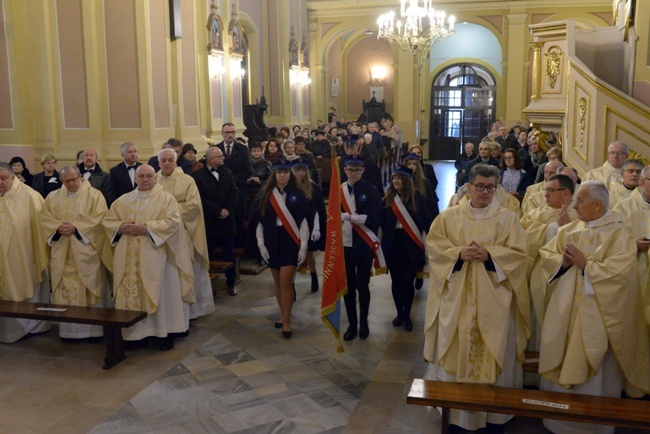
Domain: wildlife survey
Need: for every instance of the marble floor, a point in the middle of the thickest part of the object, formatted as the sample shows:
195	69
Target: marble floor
234	373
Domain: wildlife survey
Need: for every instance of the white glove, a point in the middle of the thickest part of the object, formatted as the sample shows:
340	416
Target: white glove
357	219
315	235
264	253
345	217
302	255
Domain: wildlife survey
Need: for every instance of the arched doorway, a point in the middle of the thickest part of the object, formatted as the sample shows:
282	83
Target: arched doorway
462	109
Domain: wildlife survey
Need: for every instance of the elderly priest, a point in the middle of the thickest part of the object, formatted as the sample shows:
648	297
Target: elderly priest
152	262
594	338
23	252
72	222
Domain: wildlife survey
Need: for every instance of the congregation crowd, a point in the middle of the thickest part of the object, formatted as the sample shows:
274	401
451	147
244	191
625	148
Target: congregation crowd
525	257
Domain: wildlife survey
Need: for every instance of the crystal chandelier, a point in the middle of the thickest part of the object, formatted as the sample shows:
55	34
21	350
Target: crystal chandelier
411	35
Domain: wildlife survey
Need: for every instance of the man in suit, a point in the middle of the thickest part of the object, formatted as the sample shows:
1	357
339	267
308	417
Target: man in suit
506	140
181	162
93	173
219	196
237	159
484	149
123	174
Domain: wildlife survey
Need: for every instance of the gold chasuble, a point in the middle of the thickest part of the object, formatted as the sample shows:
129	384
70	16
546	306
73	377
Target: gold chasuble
184	190
536	224
530	191
606	174
468	311
507	200
76	265
22	244
139	261
635	212
587	313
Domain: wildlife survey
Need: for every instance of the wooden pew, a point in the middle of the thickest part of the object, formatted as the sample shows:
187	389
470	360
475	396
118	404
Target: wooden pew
113	321
219	267
628	413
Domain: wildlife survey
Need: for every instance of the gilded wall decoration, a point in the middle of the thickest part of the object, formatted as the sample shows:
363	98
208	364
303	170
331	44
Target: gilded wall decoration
582	111
553	64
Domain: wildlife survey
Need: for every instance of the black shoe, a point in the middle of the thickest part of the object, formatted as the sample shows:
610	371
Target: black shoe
418	283
314	282
278	324
161	344
232	291
350	334
397	321
179	335
408	325
286	334
363	331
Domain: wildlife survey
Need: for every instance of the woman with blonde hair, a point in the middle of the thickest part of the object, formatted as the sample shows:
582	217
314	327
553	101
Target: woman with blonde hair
317	215
279	219
48	180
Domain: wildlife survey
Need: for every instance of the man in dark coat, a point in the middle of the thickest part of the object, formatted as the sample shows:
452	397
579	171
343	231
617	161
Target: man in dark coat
123	174
219	196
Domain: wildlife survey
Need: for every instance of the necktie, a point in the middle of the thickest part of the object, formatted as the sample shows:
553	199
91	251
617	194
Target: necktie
350	189
228	151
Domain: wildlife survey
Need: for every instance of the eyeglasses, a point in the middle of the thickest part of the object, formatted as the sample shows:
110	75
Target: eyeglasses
553	190
508	158
632	171
612	153
483	187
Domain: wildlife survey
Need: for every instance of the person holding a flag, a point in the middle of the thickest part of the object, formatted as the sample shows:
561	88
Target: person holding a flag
279	216
317	216
405	218
361	215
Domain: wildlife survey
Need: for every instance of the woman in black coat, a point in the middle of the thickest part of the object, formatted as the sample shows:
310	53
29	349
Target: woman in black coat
405	218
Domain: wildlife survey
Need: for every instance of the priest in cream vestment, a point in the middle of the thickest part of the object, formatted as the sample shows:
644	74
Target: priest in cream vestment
152	266
541	225
182	186
478	310
594	338
610	171
631	176
535	197
635	212
506	200
23	274
80	253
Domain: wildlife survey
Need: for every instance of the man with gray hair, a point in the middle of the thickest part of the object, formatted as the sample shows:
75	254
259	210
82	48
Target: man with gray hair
478	311
80	252
123	174
635	211
610	171
23	274
631	176
594	338
182	186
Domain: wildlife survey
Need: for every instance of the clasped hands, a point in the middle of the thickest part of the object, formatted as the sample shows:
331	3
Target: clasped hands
573	256
474	252
133	229
66	229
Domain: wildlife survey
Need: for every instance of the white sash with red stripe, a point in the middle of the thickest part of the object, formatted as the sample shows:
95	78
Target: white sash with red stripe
407	221
364	232
289	223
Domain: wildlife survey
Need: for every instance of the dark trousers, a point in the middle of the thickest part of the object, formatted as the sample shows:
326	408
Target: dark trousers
402	274
358	274
227	245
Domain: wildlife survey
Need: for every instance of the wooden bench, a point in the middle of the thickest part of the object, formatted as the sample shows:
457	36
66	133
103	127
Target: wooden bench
113	321
628	413
218	267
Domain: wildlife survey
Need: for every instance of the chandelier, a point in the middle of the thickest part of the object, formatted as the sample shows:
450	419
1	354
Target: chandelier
411	35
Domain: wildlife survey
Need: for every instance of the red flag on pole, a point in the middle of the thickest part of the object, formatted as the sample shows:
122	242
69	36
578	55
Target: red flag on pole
334	281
